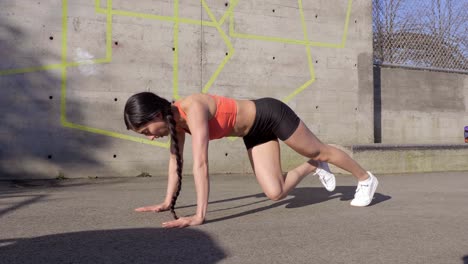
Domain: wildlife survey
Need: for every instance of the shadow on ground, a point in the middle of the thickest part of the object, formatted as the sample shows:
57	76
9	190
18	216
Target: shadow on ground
143	245
26	192
300	197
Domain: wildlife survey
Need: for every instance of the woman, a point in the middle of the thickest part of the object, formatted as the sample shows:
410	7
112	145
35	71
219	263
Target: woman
260	122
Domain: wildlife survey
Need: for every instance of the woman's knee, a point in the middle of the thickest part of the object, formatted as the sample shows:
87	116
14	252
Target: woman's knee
321	154
314	154
275	195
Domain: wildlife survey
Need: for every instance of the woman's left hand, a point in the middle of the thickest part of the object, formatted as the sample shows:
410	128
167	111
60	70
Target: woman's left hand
184	222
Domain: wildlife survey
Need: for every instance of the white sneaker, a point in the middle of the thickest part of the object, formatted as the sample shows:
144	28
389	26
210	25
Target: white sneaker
365	191
326	177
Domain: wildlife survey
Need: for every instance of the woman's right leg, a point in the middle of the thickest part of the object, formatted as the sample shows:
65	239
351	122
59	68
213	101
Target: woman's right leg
266	164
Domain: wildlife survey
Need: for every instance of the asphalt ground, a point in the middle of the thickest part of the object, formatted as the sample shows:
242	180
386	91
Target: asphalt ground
414	218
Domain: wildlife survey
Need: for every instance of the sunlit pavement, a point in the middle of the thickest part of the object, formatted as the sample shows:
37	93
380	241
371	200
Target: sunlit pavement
414	218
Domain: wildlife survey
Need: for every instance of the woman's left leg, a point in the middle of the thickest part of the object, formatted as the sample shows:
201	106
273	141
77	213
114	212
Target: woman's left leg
304	142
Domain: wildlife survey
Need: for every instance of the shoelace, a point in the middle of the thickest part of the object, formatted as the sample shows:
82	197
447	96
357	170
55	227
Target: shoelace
322	177
361	187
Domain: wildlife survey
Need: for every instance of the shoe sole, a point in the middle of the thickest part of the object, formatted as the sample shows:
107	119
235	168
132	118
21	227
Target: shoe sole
374	188
331	190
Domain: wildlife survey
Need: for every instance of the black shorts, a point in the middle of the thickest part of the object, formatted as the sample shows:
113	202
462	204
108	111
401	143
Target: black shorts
273	119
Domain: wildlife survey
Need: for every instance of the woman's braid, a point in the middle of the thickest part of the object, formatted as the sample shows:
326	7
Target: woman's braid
175	146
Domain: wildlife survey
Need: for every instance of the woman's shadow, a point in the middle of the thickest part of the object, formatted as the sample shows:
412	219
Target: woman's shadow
300	197
138	245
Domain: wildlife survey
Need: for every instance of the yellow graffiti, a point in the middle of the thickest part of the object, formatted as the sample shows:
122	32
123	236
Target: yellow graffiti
228	43
63	118
175	66
177	20
305	41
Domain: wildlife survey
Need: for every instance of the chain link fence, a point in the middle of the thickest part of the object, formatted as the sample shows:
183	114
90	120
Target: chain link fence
425	34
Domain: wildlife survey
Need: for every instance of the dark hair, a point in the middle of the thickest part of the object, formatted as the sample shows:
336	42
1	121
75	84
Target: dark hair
142	108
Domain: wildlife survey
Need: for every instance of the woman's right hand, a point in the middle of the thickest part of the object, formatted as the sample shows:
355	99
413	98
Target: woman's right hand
154	208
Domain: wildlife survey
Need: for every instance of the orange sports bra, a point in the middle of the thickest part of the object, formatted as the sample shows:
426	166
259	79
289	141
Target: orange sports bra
222	123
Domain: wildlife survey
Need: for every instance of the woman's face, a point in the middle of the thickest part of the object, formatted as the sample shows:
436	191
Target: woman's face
155	129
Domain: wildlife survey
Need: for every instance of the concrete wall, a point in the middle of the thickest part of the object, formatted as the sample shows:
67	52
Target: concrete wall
422	107
67	68
409	158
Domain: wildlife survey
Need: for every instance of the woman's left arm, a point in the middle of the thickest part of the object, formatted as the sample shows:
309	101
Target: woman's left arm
197	120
